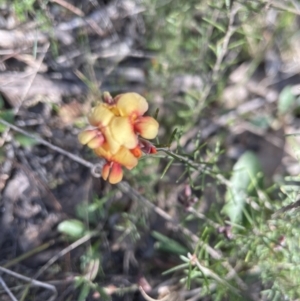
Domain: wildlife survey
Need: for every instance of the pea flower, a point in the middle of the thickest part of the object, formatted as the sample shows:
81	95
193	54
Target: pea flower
119	132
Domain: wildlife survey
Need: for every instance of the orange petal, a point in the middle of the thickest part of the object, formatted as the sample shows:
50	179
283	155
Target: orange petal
122	132
147	127
131	103
96	142
116	173
153	150
101	115
136	152
105	171
86	136
125	158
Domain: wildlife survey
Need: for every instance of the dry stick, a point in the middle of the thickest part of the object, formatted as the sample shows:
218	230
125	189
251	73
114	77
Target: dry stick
8	291
29	254
32	281
63	252
127	189
70	7
55	148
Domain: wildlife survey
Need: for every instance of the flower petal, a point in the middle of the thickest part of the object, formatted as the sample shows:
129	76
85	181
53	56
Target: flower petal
136	152
105	171
96	142
153	150
125	158
147	127
103	152
86	136
113	144
131	103
101	115
122	132
147	147
116	173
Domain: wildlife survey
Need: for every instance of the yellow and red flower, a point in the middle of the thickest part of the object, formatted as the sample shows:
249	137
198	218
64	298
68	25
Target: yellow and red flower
118	125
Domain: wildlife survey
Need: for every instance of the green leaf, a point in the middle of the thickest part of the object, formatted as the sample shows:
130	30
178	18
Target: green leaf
91	269
244	181
8	116
172	136
286	100
236	43
213	48
72	227
167	244
24	140
167	167
215	24
228	4
1	102
85	289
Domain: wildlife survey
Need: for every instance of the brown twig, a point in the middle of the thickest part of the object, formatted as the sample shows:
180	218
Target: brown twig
51	146
70	7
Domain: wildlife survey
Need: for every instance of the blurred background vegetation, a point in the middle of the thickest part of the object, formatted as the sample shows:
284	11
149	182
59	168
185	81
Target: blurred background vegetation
215	214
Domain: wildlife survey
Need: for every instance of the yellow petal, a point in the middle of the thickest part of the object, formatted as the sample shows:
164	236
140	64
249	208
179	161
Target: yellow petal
147	127
113	144
131	103
125	158
86	136
96	142
116	174
103	152
122	132
101	115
